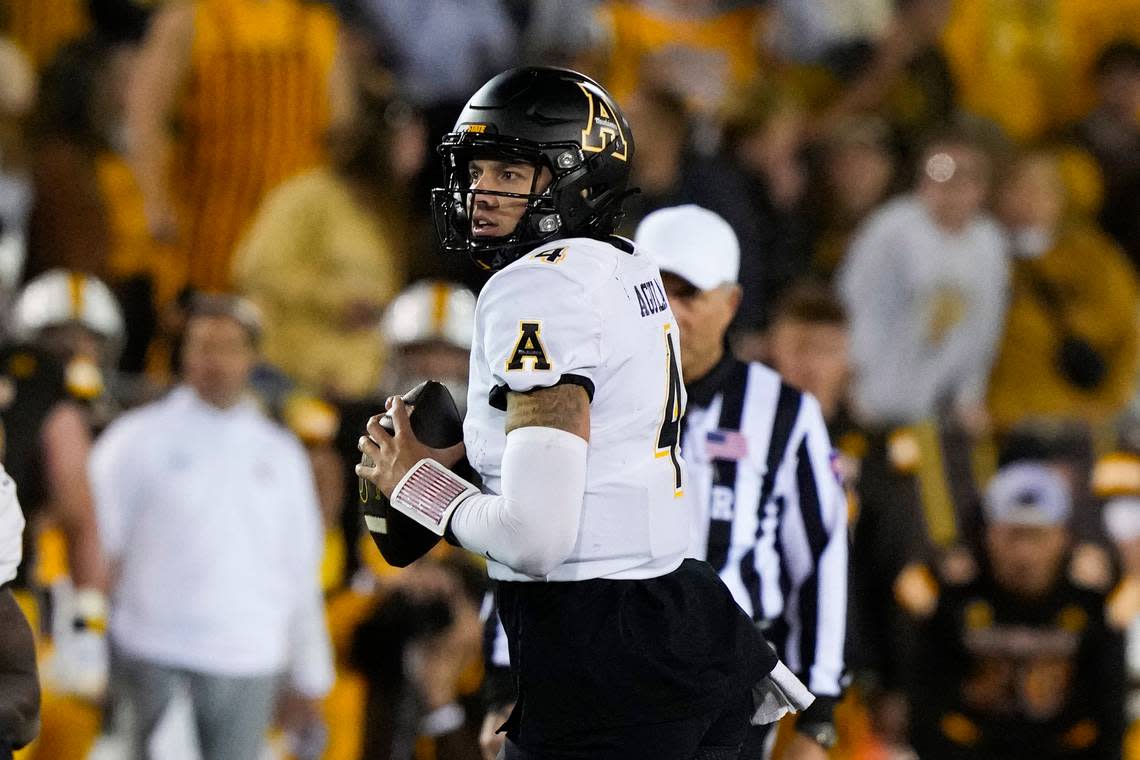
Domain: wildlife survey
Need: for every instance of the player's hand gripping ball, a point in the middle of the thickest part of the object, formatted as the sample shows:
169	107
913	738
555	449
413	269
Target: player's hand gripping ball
436	423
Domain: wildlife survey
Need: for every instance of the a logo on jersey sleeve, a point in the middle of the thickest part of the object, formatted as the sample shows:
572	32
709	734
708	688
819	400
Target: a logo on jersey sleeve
529	353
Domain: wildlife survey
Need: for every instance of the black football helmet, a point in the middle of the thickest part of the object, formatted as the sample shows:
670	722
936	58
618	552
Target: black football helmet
553	118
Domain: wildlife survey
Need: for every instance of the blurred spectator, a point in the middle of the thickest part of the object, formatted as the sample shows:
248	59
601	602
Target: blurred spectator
419	652
72	124
1042	51
19	685
856	165
903	77
75	318
698	51
17	94
1067	446
805	31
1112	133
225	515
46	443
246	84
332	226
1016	660
88	212
808	345
428	329
764	135
925	285
915	498
1071	336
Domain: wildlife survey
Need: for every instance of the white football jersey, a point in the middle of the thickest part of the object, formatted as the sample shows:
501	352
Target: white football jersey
585	311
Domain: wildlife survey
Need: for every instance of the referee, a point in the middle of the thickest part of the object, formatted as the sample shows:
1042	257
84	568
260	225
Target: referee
768	511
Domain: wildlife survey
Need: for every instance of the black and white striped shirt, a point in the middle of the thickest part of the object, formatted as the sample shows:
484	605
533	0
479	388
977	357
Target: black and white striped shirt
768	512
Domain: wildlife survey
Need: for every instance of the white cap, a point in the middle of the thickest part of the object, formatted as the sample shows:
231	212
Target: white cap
62	296
431	310
1028	493
693	243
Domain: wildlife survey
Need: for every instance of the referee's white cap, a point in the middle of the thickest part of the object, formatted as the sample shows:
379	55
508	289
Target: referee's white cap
693	243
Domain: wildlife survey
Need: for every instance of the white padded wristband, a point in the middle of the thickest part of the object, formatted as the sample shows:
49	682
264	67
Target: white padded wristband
429	493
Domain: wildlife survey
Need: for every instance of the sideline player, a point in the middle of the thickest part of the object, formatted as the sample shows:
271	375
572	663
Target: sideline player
621	647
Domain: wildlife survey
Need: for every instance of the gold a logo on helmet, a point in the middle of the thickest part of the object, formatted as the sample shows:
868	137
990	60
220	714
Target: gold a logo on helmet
602	128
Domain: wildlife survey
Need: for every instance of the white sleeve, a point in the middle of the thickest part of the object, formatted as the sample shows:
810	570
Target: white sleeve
533	526
311	667
11	528
539	326
113	472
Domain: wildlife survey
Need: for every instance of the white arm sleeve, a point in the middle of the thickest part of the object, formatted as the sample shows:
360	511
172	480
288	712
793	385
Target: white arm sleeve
533	526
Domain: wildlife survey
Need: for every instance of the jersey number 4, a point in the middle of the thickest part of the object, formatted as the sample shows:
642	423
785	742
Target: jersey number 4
669	434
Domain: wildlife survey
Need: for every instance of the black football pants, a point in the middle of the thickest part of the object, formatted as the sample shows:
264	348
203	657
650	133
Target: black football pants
715	736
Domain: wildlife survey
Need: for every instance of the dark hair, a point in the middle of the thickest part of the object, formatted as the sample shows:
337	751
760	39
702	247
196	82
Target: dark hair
360	149
121	21
1045	440
812	302
67	85
231	306
1121	54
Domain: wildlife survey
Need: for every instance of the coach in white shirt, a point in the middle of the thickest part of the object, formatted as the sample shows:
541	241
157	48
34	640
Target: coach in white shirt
209	515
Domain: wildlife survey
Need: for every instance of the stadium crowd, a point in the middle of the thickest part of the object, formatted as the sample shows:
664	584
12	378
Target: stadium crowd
215	213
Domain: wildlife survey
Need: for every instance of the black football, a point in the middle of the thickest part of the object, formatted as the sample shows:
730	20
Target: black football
436	423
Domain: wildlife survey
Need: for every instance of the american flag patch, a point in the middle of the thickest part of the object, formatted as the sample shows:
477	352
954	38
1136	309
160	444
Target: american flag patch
731	445
428	493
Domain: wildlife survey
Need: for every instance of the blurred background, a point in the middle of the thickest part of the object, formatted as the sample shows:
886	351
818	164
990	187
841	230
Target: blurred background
938	205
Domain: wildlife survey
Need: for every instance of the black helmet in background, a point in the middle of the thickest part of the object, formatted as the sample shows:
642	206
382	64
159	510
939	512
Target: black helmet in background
553	118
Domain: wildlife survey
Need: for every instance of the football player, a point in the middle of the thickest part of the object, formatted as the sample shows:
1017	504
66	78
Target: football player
621	647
